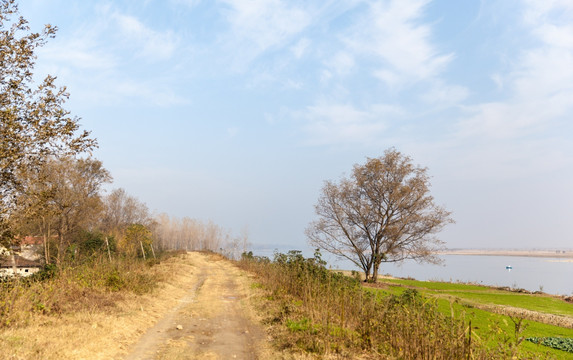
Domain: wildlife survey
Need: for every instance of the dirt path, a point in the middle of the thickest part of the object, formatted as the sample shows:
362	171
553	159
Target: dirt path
212	321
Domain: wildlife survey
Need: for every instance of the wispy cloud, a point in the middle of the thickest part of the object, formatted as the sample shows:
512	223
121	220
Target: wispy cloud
150	44
392	32
79	53
328	123
300	48
444	95
340	63
540	83
257	26
96	60
388	42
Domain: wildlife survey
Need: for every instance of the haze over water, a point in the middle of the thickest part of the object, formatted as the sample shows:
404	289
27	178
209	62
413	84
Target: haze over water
550	275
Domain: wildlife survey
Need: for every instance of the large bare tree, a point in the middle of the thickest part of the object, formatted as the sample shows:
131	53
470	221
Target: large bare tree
383	212
33	121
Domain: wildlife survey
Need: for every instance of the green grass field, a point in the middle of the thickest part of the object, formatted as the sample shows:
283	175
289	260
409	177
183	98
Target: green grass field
486	295
466	299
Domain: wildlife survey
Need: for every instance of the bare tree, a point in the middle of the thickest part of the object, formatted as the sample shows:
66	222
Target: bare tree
190	234
122	210
382	213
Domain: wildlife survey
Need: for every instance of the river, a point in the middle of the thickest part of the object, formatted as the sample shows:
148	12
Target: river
550	275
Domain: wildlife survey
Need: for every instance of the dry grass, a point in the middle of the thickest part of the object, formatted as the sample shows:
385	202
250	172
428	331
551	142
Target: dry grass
111	331
92	322
328	315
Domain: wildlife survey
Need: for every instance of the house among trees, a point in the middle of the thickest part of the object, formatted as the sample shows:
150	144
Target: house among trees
31	247
21	266
26	258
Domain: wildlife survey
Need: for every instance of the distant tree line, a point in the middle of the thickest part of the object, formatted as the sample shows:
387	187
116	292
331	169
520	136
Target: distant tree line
191	234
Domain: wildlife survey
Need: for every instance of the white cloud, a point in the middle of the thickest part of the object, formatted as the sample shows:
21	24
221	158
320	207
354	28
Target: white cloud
77	53
442	94
325	76
392	33
153	45
387	41
333	123
498	81
257	26
300	48
341	63
151	92
189	3
541	81
95	60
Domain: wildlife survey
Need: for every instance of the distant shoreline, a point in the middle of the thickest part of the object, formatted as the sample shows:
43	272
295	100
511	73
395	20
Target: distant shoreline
565	254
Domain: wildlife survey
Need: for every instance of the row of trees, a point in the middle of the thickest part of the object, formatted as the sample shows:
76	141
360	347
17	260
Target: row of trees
190	234
50	186
62	201
59	199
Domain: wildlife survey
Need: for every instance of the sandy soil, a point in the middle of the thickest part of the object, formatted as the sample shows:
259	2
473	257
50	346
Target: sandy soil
212	321
527	253
209	298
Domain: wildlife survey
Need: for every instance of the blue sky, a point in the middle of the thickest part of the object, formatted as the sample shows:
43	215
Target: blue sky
237	110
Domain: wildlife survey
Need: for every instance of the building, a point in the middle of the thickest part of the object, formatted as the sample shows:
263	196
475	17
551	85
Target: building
22	266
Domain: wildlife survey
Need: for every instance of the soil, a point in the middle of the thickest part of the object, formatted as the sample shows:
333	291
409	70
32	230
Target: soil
213	320
565	255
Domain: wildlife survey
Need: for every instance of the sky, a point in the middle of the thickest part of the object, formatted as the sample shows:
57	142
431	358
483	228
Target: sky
237	111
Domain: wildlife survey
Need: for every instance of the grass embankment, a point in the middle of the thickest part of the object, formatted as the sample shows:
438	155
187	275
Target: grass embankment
313	310
476	294
91	309
484	306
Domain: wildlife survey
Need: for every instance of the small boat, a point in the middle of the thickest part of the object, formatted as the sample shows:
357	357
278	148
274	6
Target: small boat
509	267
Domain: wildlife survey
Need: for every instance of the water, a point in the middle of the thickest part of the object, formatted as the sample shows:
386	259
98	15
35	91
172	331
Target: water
550	275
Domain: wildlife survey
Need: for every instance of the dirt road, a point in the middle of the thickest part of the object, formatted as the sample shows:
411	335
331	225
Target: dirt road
212	321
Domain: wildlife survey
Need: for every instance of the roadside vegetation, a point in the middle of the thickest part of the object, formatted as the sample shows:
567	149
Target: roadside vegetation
90	284
94	309
312	310
545	317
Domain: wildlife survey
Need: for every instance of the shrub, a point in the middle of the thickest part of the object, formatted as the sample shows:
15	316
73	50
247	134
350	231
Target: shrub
324	311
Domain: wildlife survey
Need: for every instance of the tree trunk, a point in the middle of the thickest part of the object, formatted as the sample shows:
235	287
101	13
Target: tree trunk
142	251
108	251
375	272
366	274
46	258
61	248
46	235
